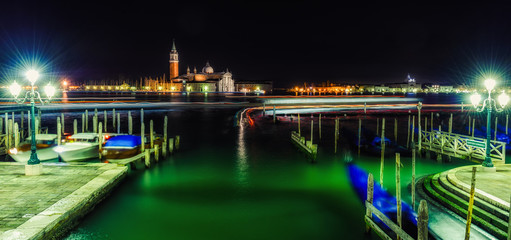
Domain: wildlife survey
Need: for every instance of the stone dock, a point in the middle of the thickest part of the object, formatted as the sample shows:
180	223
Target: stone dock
49	205
492	195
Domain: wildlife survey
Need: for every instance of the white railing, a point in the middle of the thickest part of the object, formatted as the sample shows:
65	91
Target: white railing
456	145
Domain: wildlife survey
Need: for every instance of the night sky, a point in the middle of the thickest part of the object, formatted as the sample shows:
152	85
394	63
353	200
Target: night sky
287	42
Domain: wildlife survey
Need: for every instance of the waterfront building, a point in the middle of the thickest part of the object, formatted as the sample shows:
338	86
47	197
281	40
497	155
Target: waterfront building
205	81
122	87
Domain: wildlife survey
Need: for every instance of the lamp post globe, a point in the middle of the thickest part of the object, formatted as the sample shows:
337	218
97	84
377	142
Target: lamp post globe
490	105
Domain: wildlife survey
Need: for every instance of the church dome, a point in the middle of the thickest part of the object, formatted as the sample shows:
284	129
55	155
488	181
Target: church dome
207	68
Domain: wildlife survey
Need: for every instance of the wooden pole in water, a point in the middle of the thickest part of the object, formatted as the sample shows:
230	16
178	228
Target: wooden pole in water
370	190
165	123
16	135
7	130
59	136
470	203
156	152
164	149
413	179
312	130
96	112
142	135
95	124
86	120
462	105
377	126
365	108
422	221
83	122
507	121
473	126
450	124
171	145
105	119
431	122
151	133
130	123
496	122
395	130
336	134
274	115
408	135
113	118
62	123
299	131
118	122
359	133
9	137
398	190
100	138
426	124
264	110
177	142
22	137
141	115
320	126
469	121
382	163
75	126
147	158
413	131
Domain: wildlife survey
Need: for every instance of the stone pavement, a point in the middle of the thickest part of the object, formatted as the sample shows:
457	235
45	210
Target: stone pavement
493	187
36	207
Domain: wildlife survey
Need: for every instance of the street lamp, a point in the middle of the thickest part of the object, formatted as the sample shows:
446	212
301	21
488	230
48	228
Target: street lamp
15	89
489	104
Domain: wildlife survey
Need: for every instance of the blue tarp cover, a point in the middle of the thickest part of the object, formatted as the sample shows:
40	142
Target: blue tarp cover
123	141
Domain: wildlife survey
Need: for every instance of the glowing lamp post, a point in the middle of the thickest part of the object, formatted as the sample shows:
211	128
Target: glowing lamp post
489	104
15	90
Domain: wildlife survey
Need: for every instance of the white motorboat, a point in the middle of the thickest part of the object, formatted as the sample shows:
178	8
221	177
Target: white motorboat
79	147
44	144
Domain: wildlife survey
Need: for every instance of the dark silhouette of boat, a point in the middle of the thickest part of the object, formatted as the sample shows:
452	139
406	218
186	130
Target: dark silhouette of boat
382	200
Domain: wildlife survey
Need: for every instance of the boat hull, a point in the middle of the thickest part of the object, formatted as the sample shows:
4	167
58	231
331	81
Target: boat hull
77	152
43	154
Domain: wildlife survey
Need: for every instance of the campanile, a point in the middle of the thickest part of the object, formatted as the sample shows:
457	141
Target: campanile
174	61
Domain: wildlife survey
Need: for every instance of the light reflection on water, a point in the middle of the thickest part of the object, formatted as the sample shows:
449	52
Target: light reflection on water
241	161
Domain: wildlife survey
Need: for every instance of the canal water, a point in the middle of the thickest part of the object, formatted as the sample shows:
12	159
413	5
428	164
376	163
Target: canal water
249	182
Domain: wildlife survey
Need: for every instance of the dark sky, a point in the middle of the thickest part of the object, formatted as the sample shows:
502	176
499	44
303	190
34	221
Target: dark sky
287	42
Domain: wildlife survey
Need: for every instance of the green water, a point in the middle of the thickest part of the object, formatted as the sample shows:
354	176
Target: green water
241	183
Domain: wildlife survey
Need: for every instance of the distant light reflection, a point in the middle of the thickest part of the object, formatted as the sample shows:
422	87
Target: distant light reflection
241	160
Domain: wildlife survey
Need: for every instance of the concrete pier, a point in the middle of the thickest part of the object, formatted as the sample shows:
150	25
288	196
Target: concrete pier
48	205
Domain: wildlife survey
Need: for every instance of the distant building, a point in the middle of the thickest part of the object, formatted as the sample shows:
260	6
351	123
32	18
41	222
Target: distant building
205	81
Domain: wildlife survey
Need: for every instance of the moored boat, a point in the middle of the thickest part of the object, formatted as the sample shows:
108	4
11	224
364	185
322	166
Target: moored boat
79	147
44	144
121	147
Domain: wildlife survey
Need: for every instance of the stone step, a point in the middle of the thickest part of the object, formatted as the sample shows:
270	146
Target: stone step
459	206
481	203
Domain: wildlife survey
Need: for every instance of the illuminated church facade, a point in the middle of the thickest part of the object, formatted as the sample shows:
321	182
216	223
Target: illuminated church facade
207	80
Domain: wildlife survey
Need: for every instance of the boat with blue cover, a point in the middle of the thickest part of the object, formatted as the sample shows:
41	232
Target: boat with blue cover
382	200
121	147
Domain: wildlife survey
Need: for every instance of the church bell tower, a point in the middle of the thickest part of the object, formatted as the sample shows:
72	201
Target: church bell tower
174	62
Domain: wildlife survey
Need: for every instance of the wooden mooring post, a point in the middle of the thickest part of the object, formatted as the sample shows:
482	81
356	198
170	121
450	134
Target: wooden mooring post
413	179
359	134
151	133
86	120
372	211
142	135
408	135
130	123
62	123
59	135
496	122
113	119
105	120
319	126
95	124
118	122
473	126
274	114
336	134
312	131
16	135
507	122
75	126
422	221
299	128
413	132
398	191
469	122
382	162
83	122
470	203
